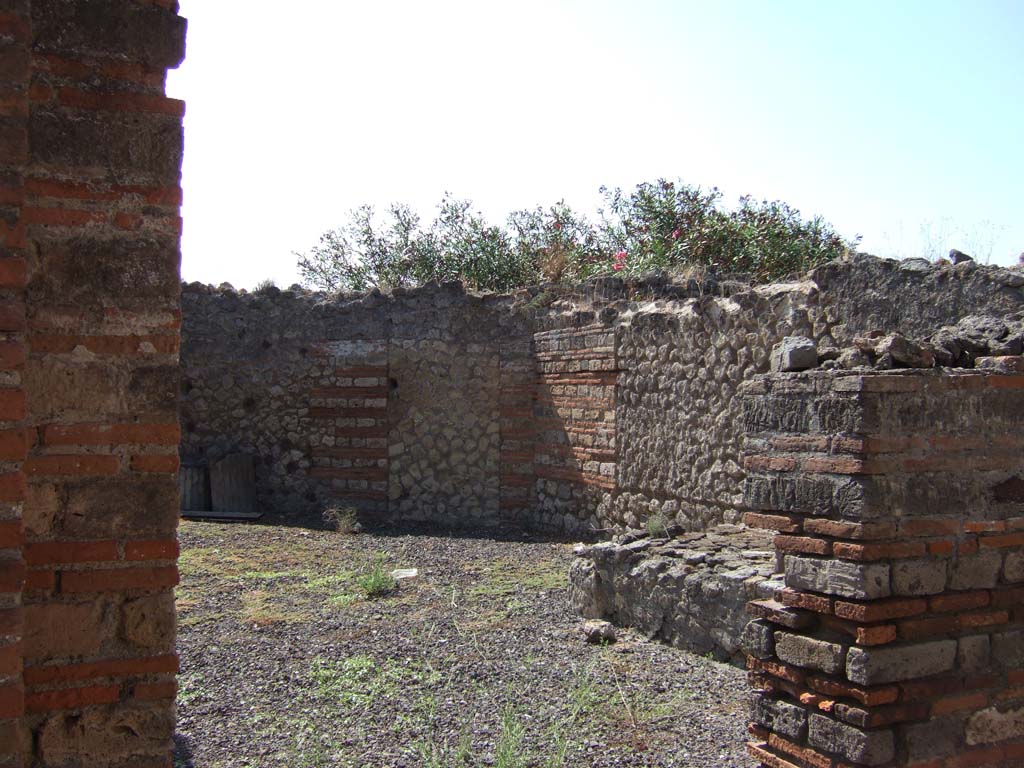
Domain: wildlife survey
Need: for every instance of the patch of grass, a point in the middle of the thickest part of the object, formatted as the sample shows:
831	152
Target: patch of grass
343	600
259	607
360	680
504	578
269	575
377	582
509	751
190	687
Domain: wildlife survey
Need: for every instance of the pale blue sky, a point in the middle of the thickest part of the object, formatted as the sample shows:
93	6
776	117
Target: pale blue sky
899	121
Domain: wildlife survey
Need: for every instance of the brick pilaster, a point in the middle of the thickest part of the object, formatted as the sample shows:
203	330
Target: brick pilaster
899	502
15	69
100	214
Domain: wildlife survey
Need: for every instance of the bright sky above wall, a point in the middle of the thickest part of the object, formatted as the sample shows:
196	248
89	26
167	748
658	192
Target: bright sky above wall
899	121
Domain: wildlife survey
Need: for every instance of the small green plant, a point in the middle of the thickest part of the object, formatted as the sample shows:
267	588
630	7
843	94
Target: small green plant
377	581
341	519
263	286
657	526
445	755
509	752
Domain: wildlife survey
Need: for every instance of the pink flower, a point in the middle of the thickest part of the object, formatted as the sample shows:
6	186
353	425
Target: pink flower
618	266
620	261
675	234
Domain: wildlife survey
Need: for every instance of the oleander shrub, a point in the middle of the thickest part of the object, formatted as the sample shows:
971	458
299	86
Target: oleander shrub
662	226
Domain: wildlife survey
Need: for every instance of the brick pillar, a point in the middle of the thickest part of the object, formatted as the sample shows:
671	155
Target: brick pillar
899	501
101	216
15	67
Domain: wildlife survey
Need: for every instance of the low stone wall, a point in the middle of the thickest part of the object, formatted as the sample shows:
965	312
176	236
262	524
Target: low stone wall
690	590
899	500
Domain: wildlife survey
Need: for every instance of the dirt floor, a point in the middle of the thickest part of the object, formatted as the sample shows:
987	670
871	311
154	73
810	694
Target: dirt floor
477	661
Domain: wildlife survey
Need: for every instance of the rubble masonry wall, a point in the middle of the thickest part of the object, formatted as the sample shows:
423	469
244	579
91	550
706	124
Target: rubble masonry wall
591	412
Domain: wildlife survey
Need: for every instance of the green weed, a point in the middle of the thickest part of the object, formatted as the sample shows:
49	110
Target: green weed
377	582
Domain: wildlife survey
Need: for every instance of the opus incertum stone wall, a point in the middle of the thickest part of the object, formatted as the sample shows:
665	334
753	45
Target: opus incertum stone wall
90	152
586	408
898	639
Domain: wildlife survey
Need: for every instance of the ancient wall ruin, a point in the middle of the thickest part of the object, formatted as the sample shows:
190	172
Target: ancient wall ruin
898	639
586	409
89	195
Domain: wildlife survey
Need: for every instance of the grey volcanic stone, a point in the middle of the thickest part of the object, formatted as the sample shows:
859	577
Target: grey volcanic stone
860	581
862	747
904	352
918	577
1008	648
810	653
872	666
979	571
599	632
779	716
794	353
936	738
972	653
759	639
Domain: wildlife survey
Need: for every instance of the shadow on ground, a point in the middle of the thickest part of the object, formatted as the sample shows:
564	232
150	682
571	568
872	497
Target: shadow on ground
183	752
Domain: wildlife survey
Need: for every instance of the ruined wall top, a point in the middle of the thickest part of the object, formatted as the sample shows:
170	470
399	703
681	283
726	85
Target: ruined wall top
861	287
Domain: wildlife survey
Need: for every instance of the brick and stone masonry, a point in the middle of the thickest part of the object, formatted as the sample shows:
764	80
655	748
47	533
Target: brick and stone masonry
90	154
898	499
15	75
580	408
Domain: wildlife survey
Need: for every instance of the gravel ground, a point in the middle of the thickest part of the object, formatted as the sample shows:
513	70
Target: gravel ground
475	662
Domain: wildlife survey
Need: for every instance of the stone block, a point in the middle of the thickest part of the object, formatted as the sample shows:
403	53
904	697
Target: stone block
125	144
1013	567
793	353
779	716
106	735
58	386
145	507
148	622
859	581
55	630
973	653
853	744
810	653
936	738
118	28
758	639
822	496
918	577
991	725
1008	648
873	666
980	571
